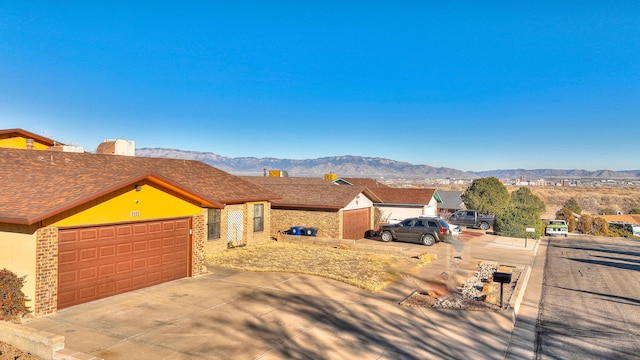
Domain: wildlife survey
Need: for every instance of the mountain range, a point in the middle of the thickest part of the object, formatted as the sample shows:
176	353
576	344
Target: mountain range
359	166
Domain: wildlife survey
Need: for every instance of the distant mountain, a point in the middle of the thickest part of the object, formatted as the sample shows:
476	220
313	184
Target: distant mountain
358	166
554	173
345	166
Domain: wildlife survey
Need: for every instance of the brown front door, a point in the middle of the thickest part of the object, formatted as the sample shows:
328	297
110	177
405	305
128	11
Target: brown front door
355	223
96	262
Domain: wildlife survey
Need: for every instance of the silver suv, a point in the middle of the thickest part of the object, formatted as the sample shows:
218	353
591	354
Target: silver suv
426	230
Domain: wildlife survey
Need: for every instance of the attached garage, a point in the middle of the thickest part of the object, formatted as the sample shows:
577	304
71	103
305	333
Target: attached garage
101	261
89	226
356	223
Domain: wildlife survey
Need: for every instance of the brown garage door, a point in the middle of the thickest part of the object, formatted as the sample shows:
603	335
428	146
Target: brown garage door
97	262
356	223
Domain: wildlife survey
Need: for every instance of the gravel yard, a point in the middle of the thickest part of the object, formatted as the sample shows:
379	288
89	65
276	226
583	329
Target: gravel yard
10	352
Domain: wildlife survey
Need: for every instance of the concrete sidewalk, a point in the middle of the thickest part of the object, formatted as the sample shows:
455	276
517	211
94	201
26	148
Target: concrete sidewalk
245	315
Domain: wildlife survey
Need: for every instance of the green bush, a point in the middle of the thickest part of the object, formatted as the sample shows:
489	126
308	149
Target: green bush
12	300
572	205
487	195
524	211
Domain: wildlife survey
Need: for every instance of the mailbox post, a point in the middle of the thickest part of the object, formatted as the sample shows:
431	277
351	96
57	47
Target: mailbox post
502	278
529	230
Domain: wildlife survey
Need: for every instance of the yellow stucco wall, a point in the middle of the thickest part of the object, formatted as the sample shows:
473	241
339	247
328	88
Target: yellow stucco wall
18	254
20	143
151	202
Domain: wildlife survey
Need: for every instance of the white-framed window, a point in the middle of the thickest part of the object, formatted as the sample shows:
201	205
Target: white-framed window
258	217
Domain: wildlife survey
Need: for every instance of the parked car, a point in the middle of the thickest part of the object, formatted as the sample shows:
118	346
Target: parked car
556	227
472	219
455	229
426	230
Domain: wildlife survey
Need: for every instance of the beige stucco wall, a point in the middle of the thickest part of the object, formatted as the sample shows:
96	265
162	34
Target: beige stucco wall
359	202
403	212
18	254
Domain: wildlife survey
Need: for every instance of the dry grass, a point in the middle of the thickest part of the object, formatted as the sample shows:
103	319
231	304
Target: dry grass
364	269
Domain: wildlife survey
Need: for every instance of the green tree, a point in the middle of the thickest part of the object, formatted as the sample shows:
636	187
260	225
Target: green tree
607	211
486	195
600	227
572	204
634	211
585	224
524	210
567	215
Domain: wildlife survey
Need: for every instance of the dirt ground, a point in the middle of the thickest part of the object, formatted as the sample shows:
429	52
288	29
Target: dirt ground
454	300
10	352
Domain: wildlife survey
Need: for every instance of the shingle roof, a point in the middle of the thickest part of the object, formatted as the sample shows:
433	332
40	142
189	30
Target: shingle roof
309	194
370	183
632	219
268	180
451	200
406	196
35	185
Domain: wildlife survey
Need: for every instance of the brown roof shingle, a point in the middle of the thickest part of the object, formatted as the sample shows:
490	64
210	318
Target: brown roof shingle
391	195
35	185
370	183
308	193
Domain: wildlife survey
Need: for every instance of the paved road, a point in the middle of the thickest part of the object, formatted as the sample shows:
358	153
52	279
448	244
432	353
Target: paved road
590	306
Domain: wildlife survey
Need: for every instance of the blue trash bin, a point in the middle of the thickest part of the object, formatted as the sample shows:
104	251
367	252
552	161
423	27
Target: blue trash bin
309	231
297	230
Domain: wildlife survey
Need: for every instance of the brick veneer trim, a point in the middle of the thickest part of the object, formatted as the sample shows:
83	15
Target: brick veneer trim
46	301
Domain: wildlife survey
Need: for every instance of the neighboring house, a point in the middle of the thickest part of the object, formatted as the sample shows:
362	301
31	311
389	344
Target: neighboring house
401	203
370	183
451	202
335	211
630	222
398	203
86	226
22	139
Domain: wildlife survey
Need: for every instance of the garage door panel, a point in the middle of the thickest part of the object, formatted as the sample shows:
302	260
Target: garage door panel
107	233
128	257
88	274
155	228
70	256
90	254
355	223
106	270
88	235
155	244
139	229
107	251
124	249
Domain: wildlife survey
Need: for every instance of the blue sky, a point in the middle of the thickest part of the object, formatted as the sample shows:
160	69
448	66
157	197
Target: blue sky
470	85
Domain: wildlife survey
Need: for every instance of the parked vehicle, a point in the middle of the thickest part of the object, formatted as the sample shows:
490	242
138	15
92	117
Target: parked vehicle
455	229
472	219
426	230
556	227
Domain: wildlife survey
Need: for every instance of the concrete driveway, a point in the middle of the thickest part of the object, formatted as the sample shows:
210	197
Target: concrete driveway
230	314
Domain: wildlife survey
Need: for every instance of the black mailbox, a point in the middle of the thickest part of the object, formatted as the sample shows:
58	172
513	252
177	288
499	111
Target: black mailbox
502	277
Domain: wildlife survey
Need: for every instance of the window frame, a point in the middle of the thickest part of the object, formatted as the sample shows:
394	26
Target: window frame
258	217
214	222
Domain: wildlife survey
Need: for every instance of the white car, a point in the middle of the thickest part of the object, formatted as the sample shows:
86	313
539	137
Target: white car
455	229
